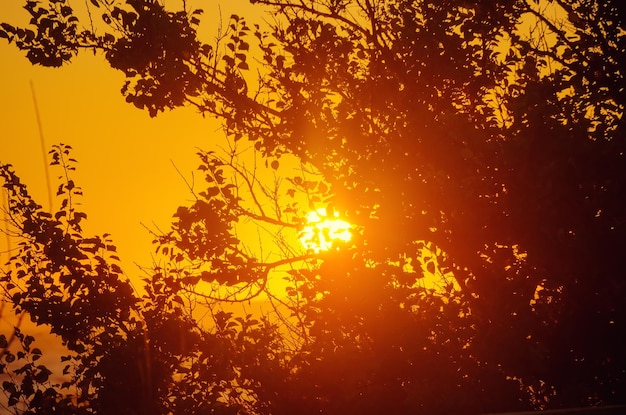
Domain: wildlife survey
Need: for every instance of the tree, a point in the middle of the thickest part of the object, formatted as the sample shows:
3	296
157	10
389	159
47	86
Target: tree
481	142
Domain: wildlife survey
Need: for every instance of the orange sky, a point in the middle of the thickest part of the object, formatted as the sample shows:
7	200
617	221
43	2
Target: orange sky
125	157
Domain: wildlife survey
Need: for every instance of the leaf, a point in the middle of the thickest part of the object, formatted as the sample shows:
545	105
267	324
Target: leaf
229	60
8	386
28	340
27	387
95	3
14	399
280	61
43	374
8	27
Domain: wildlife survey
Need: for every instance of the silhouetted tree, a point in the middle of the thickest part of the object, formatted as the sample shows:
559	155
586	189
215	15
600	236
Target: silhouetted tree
479	142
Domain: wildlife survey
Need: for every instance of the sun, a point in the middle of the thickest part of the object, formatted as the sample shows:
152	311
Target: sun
323	230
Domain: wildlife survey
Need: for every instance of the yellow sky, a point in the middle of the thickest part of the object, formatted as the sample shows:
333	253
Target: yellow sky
125	157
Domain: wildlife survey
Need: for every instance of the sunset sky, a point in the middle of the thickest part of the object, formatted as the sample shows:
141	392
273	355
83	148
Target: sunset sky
125	157
424	206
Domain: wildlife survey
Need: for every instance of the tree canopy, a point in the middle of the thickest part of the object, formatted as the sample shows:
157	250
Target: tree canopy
480	142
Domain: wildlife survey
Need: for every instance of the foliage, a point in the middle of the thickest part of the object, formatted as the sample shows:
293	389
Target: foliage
126	354
483	143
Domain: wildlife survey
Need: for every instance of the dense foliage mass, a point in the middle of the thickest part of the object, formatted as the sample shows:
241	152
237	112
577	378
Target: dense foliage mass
482	142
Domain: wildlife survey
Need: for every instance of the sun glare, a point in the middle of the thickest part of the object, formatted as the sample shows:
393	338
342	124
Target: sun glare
322	230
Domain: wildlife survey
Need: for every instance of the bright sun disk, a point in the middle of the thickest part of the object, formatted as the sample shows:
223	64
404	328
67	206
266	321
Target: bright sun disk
322	230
